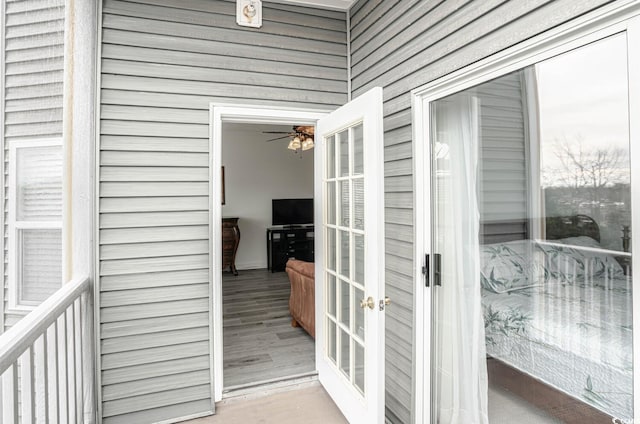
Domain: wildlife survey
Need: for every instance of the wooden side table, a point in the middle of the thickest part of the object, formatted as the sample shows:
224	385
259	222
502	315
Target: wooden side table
230	242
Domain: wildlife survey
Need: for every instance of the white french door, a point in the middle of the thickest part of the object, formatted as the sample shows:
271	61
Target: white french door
350	298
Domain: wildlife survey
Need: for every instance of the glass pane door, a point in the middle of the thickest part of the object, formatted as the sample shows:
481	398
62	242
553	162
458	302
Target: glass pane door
344	262
532	213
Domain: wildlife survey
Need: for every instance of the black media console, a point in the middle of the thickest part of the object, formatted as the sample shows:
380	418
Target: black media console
284	243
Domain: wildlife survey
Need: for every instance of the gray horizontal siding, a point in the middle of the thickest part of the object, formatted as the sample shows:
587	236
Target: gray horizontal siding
503	155
33	67
401	45
162	62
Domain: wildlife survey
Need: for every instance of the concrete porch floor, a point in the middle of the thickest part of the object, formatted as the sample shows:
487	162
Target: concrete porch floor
309	405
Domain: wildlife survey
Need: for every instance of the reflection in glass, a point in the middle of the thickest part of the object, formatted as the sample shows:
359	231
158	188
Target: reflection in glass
331	340
343	141
331	295
359	367
39	183
542	257
40	265
358	325
358	152
345	256
331	202
345	365
343	188
345	303
358	204
584	138
331	156
358	242
331	249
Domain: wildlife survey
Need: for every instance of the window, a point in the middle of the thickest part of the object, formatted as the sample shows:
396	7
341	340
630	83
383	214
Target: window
34	221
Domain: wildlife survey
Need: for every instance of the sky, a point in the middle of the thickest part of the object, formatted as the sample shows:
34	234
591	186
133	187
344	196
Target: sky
583	95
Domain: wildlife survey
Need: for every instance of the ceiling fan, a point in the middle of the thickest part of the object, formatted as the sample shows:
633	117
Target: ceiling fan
301	137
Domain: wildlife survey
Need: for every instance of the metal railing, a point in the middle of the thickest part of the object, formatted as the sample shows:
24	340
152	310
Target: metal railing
46	360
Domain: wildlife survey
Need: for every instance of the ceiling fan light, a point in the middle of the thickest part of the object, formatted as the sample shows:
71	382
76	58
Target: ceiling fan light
307	143
294	144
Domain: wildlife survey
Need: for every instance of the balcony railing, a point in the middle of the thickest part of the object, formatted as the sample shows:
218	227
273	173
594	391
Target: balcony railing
46	361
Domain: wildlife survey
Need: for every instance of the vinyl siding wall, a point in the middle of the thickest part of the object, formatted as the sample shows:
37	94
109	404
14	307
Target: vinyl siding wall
401	45
502	163
162	62
32	79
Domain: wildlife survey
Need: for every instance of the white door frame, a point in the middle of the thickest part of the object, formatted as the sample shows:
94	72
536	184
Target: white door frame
607	20
243	113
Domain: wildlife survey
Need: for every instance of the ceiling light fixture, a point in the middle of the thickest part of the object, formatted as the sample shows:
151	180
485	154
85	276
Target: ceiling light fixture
307	143
294	144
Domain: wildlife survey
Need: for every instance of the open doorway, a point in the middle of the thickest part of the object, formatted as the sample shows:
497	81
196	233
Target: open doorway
255	276
267	195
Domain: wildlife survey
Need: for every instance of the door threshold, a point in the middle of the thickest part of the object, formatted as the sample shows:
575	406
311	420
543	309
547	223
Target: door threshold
268	387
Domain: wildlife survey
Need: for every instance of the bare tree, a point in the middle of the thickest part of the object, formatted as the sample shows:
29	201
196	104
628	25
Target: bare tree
589	167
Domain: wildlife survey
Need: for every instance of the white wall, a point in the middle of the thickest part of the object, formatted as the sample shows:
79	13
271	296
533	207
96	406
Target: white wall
257	171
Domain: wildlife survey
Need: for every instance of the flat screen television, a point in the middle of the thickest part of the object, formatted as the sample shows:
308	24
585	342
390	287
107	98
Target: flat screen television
292	211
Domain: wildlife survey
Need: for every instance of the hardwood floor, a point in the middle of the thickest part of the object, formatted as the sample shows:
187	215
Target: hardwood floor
259	343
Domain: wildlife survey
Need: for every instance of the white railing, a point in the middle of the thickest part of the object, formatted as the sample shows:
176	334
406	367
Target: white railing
46	361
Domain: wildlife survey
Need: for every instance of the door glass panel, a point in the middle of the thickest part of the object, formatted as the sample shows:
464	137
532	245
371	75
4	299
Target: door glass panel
331	340
359	258
532	222
358	325
331	156
344	202
345	254
343	141
358	150
331	202
331	294
331	247
345	306
359	367
345	353
358	204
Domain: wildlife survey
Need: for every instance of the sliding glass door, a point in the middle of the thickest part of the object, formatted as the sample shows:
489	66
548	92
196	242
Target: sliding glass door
531	243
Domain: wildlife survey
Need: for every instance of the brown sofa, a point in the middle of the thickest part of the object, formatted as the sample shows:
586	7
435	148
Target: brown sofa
302	300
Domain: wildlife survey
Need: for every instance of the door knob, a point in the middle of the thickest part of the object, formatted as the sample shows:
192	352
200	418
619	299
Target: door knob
368	302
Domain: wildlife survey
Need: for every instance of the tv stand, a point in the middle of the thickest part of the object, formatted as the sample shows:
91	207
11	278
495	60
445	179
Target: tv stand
284	243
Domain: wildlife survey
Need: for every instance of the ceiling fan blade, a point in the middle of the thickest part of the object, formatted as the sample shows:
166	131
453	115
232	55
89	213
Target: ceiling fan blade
279	138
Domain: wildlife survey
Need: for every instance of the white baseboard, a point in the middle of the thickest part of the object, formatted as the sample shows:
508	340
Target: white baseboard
244	266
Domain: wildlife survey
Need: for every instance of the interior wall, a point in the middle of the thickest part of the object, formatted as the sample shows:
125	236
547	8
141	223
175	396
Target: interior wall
399	46
257	171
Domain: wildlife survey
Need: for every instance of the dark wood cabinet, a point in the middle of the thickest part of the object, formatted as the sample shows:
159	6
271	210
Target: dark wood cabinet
230	242
286	243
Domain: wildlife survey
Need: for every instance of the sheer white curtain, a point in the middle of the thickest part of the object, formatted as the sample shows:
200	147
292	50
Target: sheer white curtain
460	359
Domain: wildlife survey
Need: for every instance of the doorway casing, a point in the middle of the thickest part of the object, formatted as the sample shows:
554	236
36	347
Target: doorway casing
220	113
